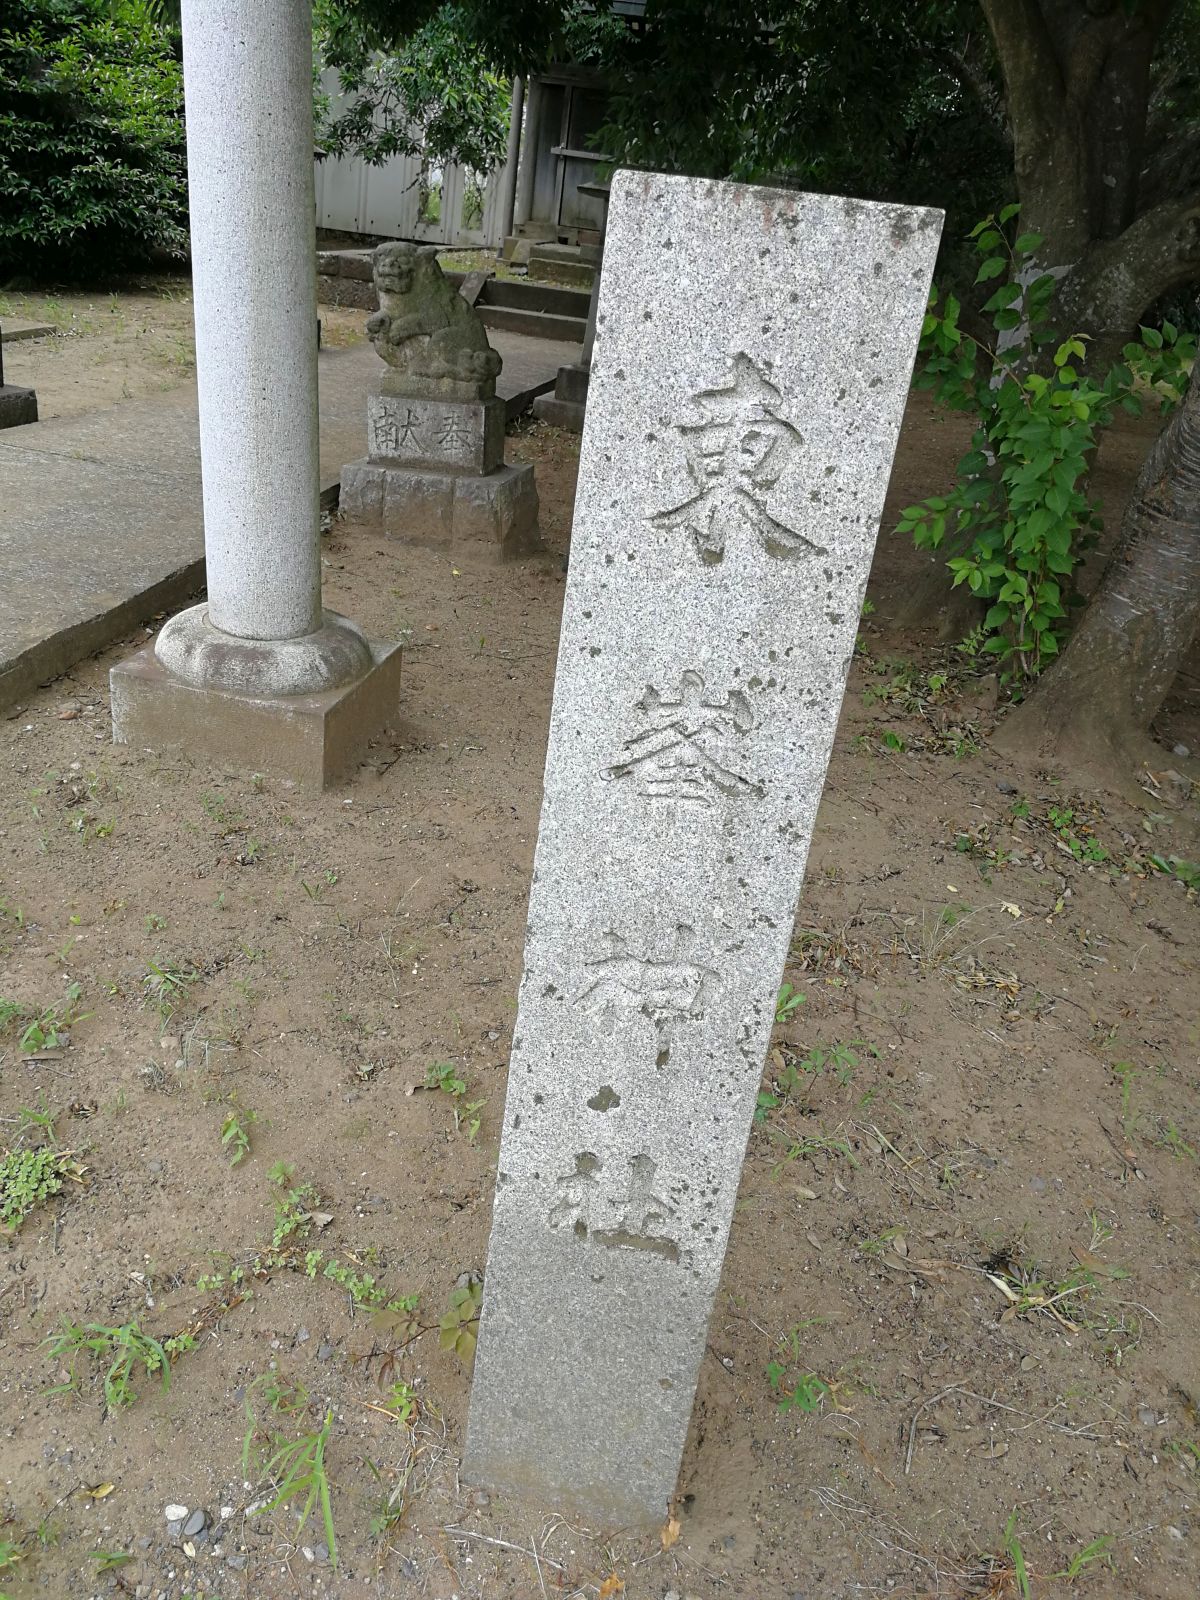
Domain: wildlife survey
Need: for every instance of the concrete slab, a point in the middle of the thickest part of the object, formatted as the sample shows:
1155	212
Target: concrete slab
13	328
104	526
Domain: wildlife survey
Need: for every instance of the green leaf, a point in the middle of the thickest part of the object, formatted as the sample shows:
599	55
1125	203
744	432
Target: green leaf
1007	320
991	268
997	616
1008	212
1027	243
1152	337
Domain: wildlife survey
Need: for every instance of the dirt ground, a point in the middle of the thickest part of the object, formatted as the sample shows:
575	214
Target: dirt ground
135	341
966	1244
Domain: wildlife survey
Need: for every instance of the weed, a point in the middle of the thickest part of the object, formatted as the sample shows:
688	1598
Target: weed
165	988
296	1467
295	1207
30	1177
1126	1075
402	1402
444	1075
124	1349
10	1554
458	1329
1012	1549
816	1144
45	1028
235	1135
1171	1139
787	1002
109	1560
1186	872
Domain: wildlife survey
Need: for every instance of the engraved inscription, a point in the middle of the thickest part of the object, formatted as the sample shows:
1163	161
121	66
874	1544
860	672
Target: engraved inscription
666	989
736	454
392	433
625	1214
453	434
687	751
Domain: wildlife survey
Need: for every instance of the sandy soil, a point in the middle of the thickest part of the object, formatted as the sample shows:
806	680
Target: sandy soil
966	1238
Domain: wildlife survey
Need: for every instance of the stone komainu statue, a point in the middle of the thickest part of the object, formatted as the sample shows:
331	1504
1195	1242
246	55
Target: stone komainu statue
425	330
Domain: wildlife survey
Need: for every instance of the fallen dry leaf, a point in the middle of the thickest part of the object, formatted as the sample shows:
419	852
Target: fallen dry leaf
101	1491
669	1533
611	1585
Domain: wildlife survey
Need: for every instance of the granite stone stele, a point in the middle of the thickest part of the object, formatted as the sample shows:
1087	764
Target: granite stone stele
435	471
742	418
261	653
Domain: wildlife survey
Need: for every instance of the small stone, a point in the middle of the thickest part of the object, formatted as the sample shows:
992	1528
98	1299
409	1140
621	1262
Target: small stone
175	1513
175	1528
307	1551
325	1352
1147	1416
302	1335
322	1552
480	1497
409	1567
1173	1531
238	1563
1005	787
1181	750
1038	1185
1029	1363
195	1524
226	1513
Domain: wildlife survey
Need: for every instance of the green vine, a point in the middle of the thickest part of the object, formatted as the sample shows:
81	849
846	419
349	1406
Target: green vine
1021	516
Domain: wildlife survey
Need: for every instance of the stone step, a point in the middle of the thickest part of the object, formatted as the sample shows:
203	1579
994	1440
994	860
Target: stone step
534	297
554	270
537	324
567	252
14	328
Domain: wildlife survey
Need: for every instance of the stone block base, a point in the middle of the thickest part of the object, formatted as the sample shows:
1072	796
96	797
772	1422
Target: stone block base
564	408
314	738
498	511
17	405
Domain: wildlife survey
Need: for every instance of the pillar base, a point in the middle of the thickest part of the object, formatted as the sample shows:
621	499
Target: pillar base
565	407
497	512
313	738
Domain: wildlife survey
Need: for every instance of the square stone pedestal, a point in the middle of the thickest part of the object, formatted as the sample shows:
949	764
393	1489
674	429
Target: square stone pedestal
565	407
435	472
498	511
315	739
17	405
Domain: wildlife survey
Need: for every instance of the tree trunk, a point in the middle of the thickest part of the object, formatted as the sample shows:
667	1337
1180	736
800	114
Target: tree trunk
1094	708
1077	78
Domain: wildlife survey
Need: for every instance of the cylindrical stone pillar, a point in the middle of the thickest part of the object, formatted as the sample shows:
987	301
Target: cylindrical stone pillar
527	164
247	70
508	178
247	77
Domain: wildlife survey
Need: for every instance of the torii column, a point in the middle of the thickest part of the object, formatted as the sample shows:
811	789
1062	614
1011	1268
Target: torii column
259	671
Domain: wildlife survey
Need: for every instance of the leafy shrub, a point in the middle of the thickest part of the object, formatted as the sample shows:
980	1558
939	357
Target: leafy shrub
92	174
1020	517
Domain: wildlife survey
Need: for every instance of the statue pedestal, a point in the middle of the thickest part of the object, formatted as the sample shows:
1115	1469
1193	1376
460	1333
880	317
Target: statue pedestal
435	474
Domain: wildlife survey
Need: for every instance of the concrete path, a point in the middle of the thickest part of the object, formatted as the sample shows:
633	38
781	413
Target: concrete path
101	525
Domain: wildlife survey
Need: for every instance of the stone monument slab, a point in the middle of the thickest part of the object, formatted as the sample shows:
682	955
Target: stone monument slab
742	418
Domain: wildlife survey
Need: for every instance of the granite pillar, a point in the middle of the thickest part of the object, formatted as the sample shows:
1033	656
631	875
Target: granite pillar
742	419
262	633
